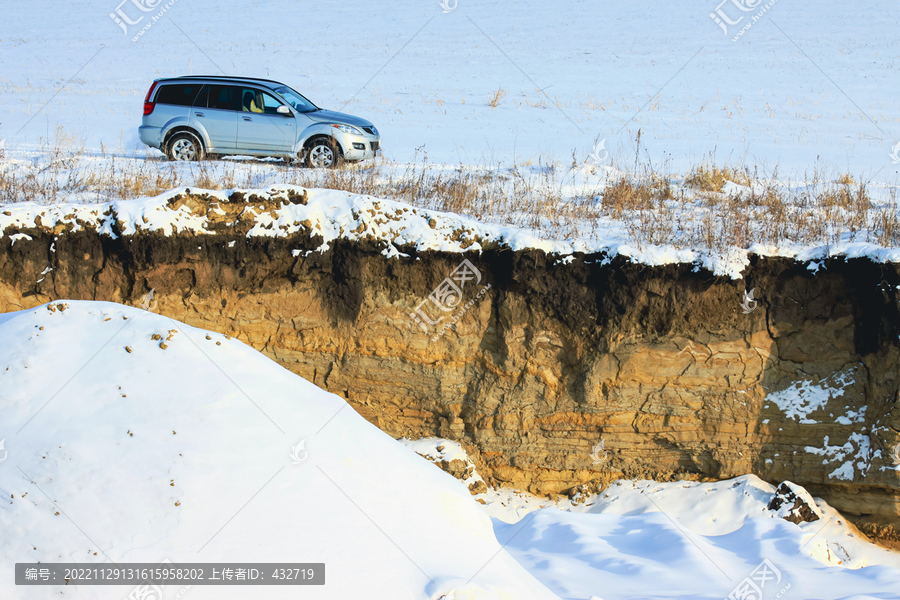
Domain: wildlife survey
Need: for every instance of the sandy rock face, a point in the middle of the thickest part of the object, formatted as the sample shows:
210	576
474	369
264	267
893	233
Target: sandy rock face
537	360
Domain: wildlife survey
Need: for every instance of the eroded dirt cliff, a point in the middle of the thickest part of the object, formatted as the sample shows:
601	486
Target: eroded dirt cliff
547	355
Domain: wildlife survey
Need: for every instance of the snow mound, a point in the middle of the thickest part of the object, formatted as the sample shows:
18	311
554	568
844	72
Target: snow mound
685	539
135	438
650	540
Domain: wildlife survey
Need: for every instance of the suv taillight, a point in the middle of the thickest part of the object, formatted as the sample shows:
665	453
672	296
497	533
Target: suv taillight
149	106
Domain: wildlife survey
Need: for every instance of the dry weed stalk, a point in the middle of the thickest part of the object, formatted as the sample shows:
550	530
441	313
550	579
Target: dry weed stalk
494	100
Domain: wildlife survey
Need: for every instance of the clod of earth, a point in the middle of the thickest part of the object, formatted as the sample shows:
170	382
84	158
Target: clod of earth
791	507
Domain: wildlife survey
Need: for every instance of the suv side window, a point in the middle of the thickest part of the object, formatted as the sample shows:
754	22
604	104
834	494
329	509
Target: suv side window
182	94
258	101
223	97
270	104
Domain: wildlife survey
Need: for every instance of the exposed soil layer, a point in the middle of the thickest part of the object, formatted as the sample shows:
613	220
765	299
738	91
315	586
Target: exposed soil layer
548	357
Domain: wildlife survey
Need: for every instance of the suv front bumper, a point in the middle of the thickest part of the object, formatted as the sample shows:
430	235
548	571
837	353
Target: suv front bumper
359	147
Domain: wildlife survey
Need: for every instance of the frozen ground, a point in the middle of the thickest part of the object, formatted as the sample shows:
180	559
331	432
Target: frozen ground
806	85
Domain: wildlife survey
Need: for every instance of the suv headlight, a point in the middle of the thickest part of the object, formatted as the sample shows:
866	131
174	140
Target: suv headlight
348	129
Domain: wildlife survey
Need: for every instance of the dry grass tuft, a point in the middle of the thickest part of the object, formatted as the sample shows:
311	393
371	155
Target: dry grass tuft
494	100
845	197
712	179
846	179
625	195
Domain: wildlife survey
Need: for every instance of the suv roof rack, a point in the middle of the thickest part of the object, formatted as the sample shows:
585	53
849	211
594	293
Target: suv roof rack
227	77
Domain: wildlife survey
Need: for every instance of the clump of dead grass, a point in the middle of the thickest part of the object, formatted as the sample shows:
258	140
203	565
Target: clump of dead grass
494	99
713	179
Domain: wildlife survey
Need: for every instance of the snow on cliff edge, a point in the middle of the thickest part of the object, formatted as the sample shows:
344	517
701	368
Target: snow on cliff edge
336	214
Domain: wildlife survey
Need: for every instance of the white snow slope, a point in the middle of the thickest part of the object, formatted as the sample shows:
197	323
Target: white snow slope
646	540
117	449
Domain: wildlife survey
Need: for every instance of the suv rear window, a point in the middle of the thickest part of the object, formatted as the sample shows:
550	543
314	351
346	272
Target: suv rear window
179	95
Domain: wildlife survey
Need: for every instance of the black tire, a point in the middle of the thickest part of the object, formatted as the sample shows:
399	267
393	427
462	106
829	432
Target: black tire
323	153
184	147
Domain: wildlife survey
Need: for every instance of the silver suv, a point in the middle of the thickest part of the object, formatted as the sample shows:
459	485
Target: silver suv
190	118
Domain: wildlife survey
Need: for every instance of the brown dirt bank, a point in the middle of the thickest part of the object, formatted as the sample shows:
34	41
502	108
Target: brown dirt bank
661	362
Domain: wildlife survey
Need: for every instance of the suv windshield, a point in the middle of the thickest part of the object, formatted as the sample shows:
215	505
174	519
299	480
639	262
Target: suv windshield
299	103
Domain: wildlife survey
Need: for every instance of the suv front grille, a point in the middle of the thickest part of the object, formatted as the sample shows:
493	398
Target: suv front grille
368	130
374	146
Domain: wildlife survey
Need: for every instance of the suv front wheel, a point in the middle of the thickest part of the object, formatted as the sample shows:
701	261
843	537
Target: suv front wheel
324	153
184	146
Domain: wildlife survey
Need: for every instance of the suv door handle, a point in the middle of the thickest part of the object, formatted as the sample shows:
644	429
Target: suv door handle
198	114
247	119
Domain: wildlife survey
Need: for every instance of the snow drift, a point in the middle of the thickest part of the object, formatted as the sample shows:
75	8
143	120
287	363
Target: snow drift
132	437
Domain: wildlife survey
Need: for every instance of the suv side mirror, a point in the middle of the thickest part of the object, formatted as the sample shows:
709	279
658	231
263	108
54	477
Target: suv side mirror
284	110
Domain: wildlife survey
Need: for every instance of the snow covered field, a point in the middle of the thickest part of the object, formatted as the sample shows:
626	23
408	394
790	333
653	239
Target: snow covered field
586	93
805	85
194	447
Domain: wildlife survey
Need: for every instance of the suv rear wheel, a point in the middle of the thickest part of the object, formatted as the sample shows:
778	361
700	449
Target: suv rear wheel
184	146
324	153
